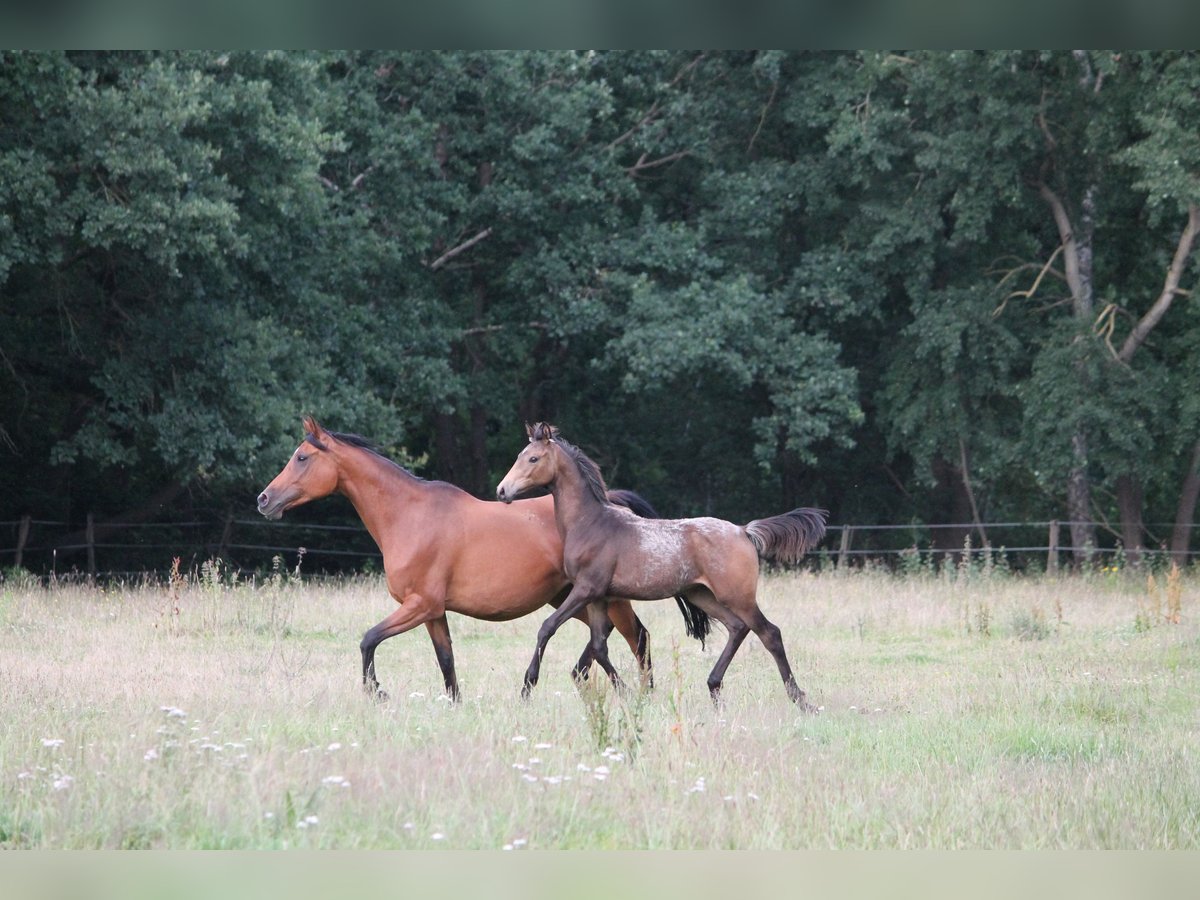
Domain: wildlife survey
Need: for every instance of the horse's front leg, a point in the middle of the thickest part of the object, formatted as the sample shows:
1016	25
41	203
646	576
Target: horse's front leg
414	610
579	597
598	620
439	633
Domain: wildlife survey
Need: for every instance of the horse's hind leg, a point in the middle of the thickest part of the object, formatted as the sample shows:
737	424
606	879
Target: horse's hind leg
772	639
736	628
621	614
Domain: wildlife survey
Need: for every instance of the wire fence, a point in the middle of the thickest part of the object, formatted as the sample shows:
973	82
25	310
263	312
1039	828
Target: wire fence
49	548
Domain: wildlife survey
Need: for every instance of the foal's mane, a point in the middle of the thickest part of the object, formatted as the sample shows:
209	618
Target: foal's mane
587	468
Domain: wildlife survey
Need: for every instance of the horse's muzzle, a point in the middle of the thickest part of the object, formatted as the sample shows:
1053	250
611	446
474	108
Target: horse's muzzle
269	509
503	495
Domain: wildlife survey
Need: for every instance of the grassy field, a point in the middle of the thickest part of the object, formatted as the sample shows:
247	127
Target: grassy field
958	712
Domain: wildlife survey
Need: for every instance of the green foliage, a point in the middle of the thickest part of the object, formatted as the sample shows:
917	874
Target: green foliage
742	280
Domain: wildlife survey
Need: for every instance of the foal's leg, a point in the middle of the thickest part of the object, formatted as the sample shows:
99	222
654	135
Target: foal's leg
769	634
601	625
585	659
584	666
736	628
573	605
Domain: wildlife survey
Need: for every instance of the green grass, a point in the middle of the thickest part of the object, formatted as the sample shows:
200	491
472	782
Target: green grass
207	715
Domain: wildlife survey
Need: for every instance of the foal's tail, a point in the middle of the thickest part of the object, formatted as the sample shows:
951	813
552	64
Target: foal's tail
788	537
695	620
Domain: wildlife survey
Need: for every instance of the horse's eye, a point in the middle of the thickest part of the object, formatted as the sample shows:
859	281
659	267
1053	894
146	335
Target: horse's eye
301	458
532	460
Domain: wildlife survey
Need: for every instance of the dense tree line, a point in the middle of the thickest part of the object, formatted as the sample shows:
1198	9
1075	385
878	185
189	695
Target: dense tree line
937	286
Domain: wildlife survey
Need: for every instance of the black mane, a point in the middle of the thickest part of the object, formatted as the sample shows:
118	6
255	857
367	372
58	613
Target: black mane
363	443
588	469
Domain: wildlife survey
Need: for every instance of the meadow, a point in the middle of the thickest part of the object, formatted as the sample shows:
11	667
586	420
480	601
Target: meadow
959	710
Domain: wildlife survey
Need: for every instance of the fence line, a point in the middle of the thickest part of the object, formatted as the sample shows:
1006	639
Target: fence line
220	541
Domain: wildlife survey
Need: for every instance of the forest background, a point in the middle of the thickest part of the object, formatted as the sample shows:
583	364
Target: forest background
909	287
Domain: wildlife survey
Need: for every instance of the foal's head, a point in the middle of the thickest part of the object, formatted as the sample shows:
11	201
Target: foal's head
536	465
310	474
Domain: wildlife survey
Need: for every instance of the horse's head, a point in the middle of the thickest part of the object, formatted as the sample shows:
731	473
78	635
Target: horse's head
310	474
536	465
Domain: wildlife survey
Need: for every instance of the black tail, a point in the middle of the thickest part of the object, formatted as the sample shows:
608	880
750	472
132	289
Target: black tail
788	537
695	620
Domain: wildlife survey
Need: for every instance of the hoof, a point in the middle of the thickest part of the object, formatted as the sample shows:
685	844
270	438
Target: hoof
802	701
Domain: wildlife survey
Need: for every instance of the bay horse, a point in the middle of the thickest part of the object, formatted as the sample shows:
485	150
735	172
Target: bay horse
607	550
447	551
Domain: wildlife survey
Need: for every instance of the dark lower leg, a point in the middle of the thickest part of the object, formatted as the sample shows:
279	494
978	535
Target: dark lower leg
601	626
772	639
439	633
737	634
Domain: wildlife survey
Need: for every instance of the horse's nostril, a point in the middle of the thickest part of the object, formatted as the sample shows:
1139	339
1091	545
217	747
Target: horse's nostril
263	499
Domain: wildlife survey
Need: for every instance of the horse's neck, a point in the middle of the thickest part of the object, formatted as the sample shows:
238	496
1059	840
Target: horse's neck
574	502
381	492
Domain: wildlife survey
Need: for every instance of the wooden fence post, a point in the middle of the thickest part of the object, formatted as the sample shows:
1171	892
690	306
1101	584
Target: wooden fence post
223	548
844	549
1052	555
22	537
91	547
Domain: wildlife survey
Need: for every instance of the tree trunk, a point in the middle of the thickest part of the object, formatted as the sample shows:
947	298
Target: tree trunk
952	505
1079	503
450	465
480	481
1079	489
1185	512
1129	502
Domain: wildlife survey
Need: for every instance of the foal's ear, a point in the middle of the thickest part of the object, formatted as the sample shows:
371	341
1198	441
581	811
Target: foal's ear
529	431
542	431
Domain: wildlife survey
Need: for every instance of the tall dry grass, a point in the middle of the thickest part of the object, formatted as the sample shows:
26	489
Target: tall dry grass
958	711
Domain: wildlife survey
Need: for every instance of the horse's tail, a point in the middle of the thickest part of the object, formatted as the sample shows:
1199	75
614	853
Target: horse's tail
788	537
695	620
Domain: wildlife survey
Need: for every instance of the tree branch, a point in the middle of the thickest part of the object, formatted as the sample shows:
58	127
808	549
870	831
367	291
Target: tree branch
1066	234
1170	288
1027	294
966	477
492	329
652	113
763	117
461	248
641	164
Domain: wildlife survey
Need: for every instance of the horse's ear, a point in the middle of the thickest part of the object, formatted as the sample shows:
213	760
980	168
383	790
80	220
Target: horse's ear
529	431
311	425
543	431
